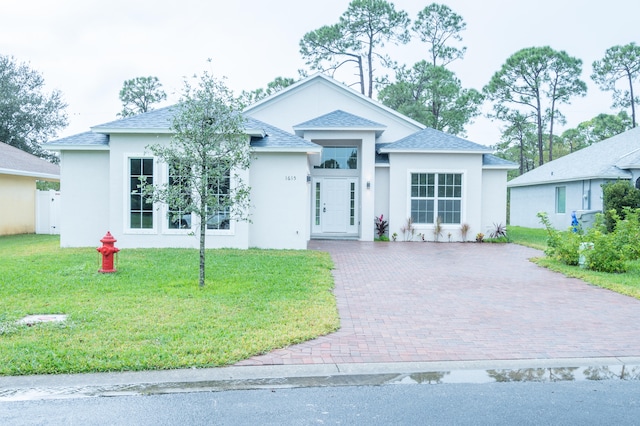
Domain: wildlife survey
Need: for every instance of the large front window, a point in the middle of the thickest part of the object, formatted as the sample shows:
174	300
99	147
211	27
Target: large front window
339	157
140	206
436	195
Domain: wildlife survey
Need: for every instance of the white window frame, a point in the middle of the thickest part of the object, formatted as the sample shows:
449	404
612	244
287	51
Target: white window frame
164	212
127	195
437	172
195	219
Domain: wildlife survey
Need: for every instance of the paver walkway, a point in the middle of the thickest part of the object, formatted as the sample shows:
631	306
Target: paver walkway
449	302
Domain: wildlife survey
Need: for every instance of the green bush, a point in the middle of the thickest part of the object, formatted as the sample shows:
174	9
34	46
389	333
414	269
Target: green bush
627	233
562	246
617	196
604	257
611	251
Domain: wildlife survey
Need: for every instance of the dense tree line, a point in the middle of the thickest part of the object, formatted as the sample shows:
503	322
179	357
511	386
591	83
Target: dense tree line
527	93
29	116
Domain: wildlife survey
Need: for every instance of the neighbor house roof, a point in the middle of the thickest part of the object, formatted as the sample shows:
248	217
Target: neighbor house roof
14	161
263	135
339	120
431	140
608	159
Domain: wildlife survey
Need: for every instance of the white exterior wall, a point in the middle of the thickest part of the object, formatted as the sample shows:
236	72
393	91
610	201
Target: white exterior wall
494	200
124	147
527	201
84	202
320	97
402	165
280	201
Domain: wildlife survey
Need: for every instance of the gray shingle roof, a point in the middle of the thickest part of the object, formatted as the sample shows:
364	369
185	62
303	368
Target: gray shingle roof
158	119
381	158
340	120
490	160
161	120
603	160
81	139
277	138
17	161
429	140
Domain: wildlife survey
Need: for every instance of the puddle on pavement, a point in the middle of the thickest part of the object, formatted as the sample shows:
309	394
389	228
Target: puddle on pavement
564	374
615	372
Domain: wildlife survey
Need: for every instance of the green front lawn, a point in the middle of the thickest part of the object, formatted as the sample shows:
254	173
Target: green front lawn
151	314
627	283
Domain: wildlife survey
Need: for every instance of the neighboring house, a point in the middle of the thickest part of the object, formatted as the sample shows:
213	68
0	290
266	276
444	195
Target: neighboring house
573	182
326	161
19	172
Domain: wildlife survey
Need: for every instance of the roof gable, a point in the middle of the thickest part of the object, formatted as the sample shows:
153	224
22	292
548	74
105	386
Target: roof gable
340	120
607	159
320	95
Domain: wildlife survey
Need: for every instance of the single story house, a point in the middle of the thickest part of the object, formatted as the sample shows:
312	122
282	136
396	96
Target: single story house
573	182
19	172
326	161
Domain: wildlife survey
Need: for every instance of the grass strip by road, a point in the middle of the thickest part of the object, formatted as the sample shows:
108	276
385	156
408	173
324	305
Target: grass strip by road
151	314
627	283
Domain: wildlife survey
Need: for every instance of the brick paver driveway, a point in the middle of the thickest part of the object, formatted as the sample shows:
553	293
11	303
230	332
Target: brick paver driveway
449	302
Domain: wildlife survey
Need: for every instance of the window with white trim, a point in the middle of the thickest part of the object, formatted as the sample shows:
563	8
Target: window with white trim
219	217
436	195
177	217
140	206
339	157
561	199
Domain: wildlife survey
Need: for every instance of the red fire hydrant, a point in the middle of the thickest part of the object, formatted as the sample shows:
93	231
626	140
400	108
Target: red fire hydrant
108	251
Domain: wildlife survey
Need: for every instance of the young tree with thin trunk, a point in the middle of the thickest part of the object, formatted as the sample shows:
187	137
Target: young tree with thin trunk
619	63
206	156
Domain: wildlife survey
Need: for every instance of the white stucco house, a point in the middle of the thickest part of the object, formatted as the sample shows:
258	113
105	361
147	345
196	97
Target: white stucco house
326	161
574	182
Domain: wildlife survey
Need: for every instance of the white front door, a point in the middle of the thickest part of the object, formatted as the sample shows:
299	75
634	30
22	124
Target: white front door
335	206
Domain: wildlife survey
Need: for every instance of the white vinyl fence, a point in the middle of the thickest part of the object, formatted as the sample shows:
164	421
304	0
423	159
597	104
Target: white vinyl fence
48	212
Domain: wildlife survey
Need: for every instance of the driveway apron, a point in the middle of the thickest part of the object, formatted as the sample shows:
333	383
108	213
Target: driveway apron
413	302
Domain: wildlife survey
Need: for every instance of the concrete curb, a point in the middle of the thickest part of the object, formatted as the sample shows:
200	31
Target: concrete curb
16	388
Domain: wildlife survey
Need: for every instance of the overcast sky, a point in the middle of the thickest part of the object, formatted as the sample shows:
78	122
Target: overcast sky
88	48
